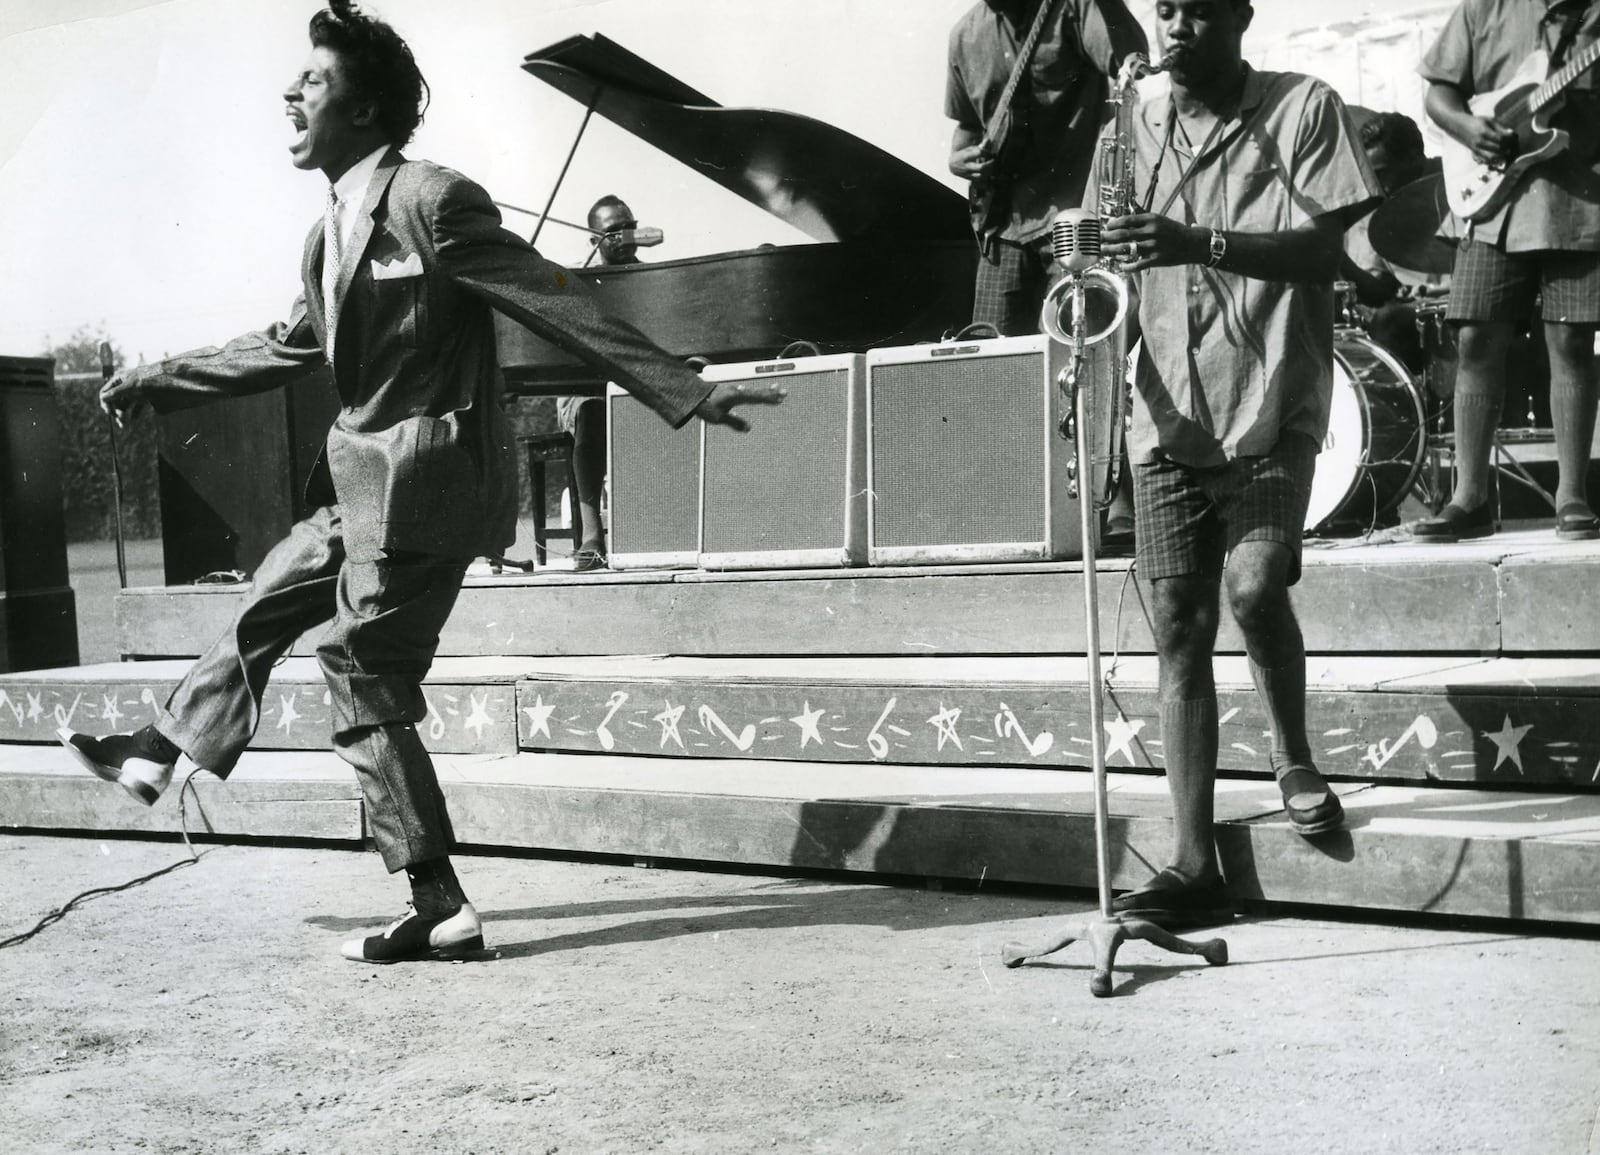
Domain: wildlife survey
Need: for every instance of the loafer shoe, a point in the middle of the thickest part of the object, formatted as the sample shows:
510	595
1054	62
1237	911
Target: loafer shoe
1173	902
1455	524
1575	521
1312	806
412	938
136	761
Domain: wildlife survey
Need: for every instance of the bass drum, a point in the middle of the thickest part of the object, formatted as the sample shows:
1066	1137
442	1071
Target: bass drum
1377	439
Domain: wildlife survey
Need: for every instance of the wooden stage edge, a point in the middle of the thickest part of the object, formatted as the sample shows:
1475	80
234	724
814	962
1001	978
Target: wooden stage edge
1406	850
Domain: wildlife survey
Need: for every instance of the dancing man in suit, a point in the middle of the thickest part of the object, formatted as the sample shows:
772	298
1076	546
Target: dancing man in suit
418	473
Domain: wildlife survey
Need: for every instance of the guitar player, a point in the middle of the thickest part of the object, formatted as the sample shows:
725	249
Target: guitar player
1538	238
1028	156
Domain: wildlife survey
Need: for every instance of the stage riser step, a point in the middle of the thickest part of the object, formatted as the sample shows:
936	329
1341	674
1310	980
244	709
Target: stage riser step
295	714
1422	607
1394	858
1518	739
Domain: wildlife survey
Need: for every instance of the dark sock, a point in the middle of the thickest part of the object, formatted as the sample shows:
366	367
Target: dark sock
1189	746
435	890
157	743
1282	691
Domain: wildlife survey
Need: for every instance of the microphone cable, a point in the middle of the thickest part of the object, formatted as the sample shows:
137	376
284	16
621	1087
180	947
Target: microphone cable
76	900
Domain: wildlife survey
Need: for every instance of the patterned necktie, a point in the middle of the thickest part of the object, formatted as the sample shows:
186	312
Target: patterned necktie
330	263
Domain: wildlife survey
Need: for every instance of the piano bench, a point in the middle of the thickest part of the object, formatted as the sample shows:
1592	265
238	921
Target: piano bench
544	450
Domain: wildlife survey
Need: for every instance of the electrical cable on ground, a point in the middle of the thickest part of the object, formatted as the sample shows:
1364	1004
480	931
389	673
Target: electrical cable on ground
67	907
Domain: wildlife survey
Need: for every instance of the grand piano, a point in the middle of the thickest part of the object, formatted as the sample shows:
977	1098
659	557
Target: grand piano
893	261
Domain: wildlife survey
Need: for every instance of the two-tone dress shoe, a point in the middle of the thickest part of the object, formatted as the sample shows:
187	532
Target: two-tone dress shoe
140	762
413	938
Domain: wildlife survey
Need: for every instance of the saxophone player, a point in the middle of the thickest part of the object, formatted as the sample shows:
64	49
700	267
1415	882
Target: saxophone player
1246	182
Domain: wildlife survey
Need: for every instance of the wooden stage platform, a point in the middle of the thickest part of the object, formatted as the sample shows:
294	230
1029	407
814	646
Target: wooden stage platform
930	721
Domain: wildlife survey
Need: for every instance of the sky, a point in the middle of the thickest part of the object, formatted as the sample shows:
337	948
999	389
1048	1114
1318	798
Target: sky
145	183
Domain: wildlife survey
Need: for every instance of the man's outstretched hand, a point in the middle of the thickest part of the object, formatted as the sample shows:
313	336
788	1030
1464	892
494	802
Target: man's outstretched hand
122	396
726	396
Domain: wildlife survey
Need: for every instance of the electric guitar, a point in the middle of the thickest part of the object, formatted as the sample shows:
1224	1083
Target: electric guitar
1003	139
1525	106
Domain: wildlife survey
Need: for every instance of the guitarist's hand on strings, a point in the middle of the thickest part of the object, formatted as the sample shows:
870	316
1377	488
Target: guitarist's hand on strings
972	162
1491	142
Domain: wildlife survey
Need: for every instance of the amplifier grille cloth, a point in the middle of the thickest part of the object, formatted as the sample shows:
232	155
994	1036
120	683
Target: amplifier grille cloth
655	481
781	485
958	451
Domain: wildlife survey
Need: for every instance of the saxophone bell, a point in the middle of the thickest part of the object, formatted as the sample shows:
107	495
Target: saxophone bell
1087	285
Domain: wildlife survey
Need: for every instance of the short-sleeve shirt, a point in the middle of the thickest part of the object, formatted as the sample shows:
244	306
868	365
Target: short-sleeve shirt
1481	49
1062	98
1229	362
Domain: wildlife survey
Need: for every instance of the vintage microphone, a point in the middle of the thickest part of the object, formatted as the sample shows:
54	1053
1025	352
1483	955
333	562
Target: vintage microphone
107	371
1075	242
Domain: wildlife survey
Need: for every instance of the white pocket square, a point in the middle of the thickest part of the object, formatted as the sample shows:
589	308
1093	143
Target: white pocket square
393	270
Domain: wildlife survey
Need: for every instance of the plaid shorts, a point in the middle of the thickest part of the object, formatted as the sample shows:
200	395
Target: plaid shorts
1492	285
1187	520
1011	285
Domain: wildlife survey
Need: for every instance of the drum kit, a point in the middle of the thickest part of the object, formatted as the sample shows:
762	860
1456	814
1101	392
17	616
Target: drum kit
1388	425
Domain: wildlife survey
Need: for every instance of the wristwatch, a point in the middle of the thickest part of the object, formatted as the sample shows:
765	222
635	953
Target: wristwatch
1219	248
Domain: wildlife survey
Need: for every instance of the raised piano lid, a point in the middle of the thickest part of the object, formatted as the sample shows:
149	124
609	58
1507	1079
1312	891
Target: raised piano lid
830	185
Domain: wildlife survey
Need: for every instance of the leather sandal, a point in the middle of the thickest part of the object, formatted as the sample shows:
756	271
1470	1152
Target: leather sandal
1575	521
1173	902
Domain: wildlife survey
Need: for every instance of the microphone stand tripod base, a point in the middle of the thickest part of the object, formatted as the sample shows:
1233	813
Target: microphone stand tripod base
1105	934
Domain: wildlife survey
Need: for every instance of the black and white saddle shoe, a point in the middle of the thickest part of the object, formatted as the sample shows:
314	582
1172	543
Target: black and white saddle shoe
137	762
413	938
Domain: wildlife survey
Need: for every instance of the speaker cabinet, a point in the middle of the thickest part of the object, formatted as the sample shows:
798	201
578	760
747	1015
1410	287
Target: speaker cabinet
654	474
966	461
791	492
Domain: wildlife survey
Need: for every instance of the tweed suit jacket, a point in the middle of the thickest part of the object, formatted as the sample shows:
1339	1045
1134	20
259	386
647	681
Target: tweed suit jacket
421	457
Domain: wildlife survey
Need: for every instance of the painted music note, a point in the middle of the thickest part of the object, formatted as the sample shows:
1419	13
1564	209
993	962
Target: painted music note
602	731
1423	730
1007	725
742	741
64	717
876	742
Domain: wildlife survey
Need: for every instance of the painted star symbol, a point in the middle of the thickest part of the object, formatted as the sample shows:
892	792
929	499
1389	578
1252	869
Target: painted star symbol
287	714
946	720
807	720
668	720
539	716
1122	732
111	710
35	708
1507	743
478	717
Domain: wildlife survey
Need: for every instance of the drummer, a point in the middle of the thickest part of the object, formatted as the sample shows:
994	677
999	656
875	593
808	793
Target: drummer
1386	291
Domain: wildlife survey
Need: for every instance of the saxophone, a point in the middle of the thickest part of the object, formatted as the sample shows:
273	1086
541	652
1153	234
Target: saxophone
1075	233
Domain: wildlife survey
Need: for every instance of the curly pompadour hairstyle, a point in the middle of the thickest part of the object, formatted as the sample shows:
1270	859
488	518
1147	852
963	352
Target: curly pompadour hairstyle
377	63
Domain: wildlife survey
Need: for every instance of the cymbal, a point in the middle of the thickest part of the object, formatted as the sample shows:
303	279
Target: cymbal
1403	227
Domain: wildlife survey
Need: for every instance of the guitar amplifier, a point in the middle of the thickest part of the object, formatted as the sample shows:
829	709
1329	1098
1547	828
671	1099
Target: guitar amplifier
965	458
654	476
791	492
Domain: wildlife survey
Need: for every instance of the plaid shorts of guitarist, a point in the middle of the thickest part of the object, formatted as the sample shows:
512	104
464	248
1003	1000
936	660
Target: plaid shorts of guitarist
1187	520
1492	285
1011	285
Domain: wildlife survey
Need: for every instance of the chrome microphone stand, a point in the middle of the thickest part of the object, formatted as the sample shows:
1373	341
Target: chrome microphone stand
1108	932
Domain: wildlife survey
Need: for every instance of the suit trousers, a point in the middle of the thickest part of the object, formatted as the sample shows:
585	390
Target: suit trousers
385	617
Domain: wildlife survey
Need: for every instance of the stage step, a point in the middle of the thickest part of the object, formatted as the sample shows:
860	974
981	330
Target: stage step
1518	593
1514	723
1407	849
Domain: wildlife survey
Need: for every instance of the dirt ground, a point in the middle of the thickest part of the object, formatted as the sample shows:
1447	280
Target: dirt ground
633	1009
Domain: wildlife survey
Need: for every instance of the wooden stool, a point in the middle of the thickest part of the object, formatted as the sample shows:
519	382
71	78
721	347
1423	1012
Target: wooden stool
544	450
